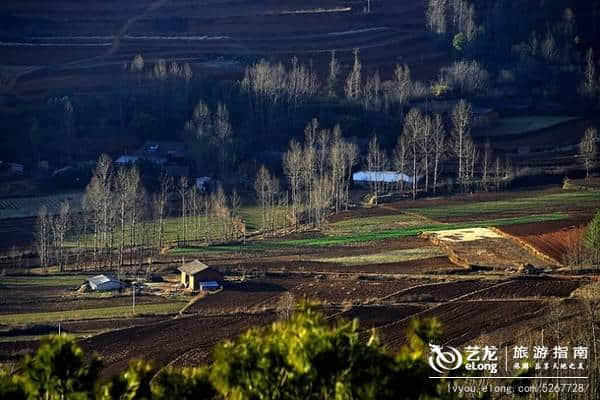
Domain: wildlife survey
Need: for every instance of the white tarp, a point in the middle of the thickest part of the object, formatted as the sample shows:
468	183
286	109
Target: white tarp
381	176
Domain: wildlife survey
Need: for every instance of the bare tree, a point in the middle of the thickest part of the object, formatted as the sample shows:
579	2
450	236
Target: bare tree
589	85
400	154
498	173
223	133
372	92
337	164
42	236
136	205
273	188
403	85
321	199
486	164
183	196
309	168
98	200
334	70
161	204
62	225
286	306
121	183
261	187
412	130
439	147
292	166
376	164
462	117
549	49
353	87
466	76
220	211
426	147
588	150
437	16
351	157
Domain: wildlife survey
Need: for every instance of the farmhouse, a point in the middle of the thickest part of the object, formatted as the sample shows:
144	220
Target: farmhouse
203	183
196	275
162	152
104	283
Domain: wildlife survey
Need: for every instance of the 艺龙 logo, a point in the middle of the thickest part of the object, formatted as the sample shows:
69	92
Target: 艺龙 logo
444	358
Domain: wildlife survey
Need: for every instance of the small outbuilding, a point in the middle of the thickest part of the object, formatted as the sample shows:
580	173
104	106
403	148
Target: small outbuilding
196	275
104	283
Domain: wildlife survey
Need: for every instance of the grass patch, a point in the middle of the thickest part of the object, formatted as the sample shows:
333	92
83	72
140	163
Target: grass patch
371	236
197	228
520	125
421	253
94	313
252	216
44	281
371	224
541	202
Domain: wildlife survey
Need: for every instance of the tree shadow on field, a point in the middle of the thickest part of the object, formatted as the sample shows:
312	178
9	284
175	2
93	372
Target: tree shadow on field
253	286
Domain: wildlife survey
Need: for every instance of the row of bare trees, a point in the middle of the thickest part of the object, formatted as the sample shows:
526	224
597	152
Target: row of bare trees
119	223
452	16
371	91
204	217
426	144
51	235
588	150
211	134
272	88
319	172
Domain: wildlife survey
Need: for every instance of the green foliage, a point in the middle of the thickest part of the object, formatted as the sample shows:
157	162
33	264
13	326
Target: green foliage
141	382
459	41
184	384
307	358
11	387
133	384
440	89
58	370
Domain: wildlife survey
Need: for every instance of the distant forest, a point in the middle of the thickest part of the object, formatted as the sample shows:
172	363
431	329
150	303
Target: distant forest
540	56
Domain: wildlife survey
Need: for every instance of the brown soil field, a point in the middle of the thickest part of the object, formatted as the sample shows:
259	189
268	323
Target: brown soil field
429	265
357	291
11	352
441	292
466	320
542	228
31	299
170	341
530	287
372	316
109	33
246	296
553	244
